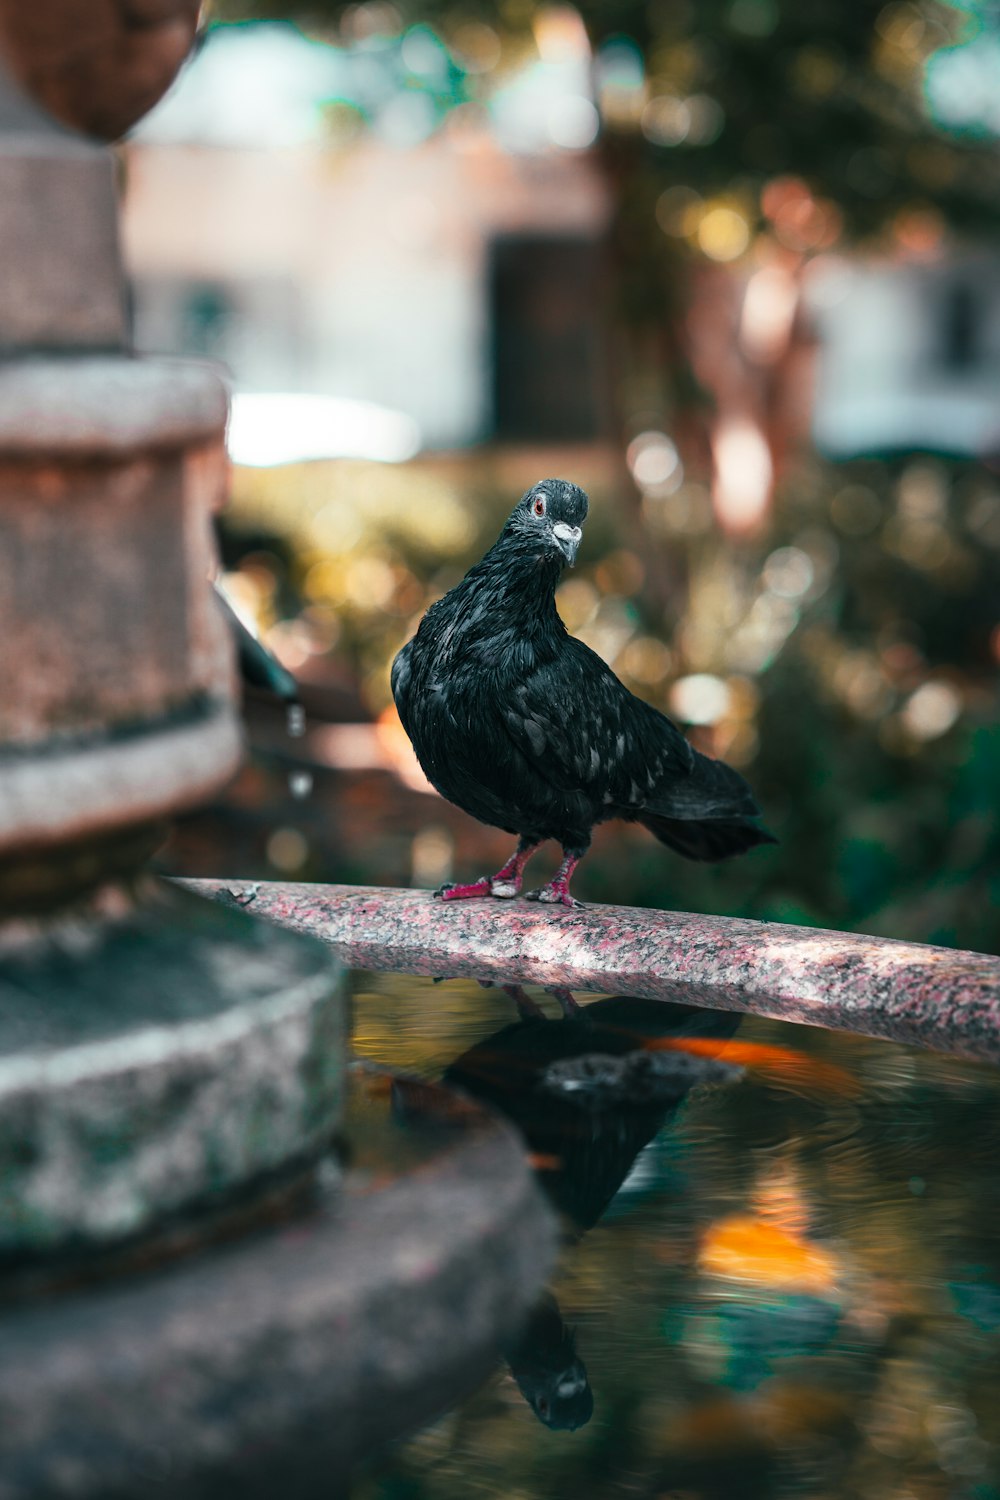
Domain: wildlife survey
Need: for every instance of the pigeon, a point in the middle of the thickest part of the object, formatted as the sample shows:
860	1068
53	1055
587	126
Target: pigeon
527	729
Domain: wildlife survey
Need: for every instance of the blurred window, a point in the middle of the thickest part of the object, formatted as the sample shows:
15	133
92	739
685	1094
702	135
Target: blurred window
205	318
544	306
252	325
961	326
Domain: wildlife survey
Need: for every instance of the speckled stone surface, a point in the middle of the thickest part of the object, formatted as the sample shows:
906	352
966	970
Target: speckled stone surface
155	1054
267	1367
934	997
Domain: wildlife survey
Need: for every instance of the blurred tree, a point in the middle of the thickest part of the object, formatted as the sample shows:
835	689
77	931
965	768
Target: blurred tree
839	629
741	138
802	121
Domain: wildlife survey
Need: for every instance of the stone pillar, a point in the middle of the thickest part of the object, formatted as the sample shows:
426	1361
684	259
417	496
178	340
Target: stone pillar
155	1052
171	1068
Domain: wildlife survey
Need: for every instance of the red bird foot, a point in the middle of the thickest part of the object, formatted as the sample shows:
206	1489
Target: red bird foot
568	1003
506	883
481	887
552	894
486	885
556	893
527	1009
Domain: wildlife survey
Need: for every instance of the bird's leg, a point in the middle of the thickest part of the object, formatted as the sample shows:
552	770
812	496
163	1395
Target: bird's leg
527	1009
506	882
567	1003
557	890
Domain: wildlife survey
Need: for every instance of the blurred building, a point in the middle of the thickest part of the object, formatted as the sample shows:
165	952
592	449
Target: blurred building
342	222
909	356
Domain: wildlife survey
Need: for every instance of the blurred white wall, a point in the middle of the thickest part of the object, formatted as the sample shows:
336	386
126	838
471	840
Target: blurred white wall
909	356
355	270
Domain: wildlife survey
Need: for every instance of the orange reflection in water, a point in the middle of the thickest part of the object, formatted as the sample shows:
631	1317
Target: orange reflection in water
783	1063
744	1248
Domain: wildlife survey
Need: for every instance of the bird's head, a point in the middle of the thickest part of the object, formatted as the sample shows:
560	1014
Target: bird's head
562	1399
550	517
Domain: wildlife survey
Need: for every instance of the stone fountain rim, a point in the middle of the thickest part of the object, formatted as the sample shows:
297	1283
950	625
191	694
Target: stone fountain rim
107	406
216	1068
343	1311
52	1072
915	993
64	791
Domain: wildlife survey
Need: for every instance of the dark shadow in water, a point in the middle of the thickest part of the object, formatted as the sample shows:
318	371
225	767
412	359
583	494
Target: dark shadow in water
587	1095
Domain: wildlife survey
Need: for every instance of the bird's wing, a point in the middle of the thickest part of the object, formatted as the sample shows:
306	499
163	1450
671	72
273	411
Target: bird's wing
400	682
584	731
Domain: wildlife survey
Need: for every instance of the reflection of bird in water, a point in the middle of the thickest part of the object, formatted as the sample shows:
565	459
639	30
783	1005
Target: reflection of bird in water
587	1096
527	729
586	1119
550	1374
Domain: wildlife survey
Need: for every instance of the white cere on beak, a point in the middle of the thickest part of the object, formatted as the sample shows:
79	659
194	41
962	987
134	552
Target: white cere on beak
566	533
570	1385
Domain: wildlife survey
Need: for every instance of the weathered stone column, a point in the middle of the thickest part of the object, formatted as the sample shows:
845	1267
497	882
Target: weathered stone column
172	1068
155	1052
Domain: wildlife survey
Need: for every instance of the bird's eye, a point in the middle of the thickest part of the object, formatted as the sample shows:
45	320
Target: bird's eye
539	506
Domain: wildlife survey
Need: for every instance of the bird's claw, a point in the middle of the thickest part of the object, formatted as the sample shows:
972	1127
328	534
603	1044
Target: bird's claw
551	896
527	1009
486	885
476	888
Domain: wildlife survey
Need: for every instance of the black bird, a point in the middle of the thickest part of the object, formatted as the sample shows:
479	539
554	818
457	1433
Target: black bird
526	728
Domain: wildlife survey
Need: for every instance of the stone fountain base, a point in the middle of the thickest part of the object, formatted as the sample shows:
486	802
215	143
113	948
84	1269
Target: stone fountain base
272	1364
171	1070
157	1051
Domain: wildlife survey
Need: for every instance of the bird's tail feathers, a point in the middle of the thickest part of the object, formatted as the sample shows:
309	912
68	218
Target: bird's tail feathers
707	838
711	790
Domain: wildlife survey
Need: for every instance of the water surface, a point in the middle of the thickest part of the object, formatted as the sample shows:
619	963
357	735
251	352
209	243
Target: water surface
784	1283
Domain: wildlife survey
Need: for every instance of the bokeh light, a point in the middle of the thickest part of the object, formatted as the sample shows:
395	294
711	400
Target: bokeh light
743	473
723	233
700	698
932	710
655	463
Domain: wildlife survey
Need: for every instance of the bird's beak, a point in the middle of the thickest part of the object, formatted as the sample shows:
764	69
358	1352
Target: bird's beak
567	540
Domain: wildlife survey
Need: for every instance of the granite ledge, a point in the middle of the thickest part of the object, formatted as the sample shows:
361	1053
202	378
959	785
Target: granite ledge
941	998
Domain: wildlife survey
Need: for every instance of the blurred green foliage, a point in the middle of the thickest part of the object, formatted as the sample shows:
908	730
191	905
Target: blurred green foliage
863	711
844	656
829	92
